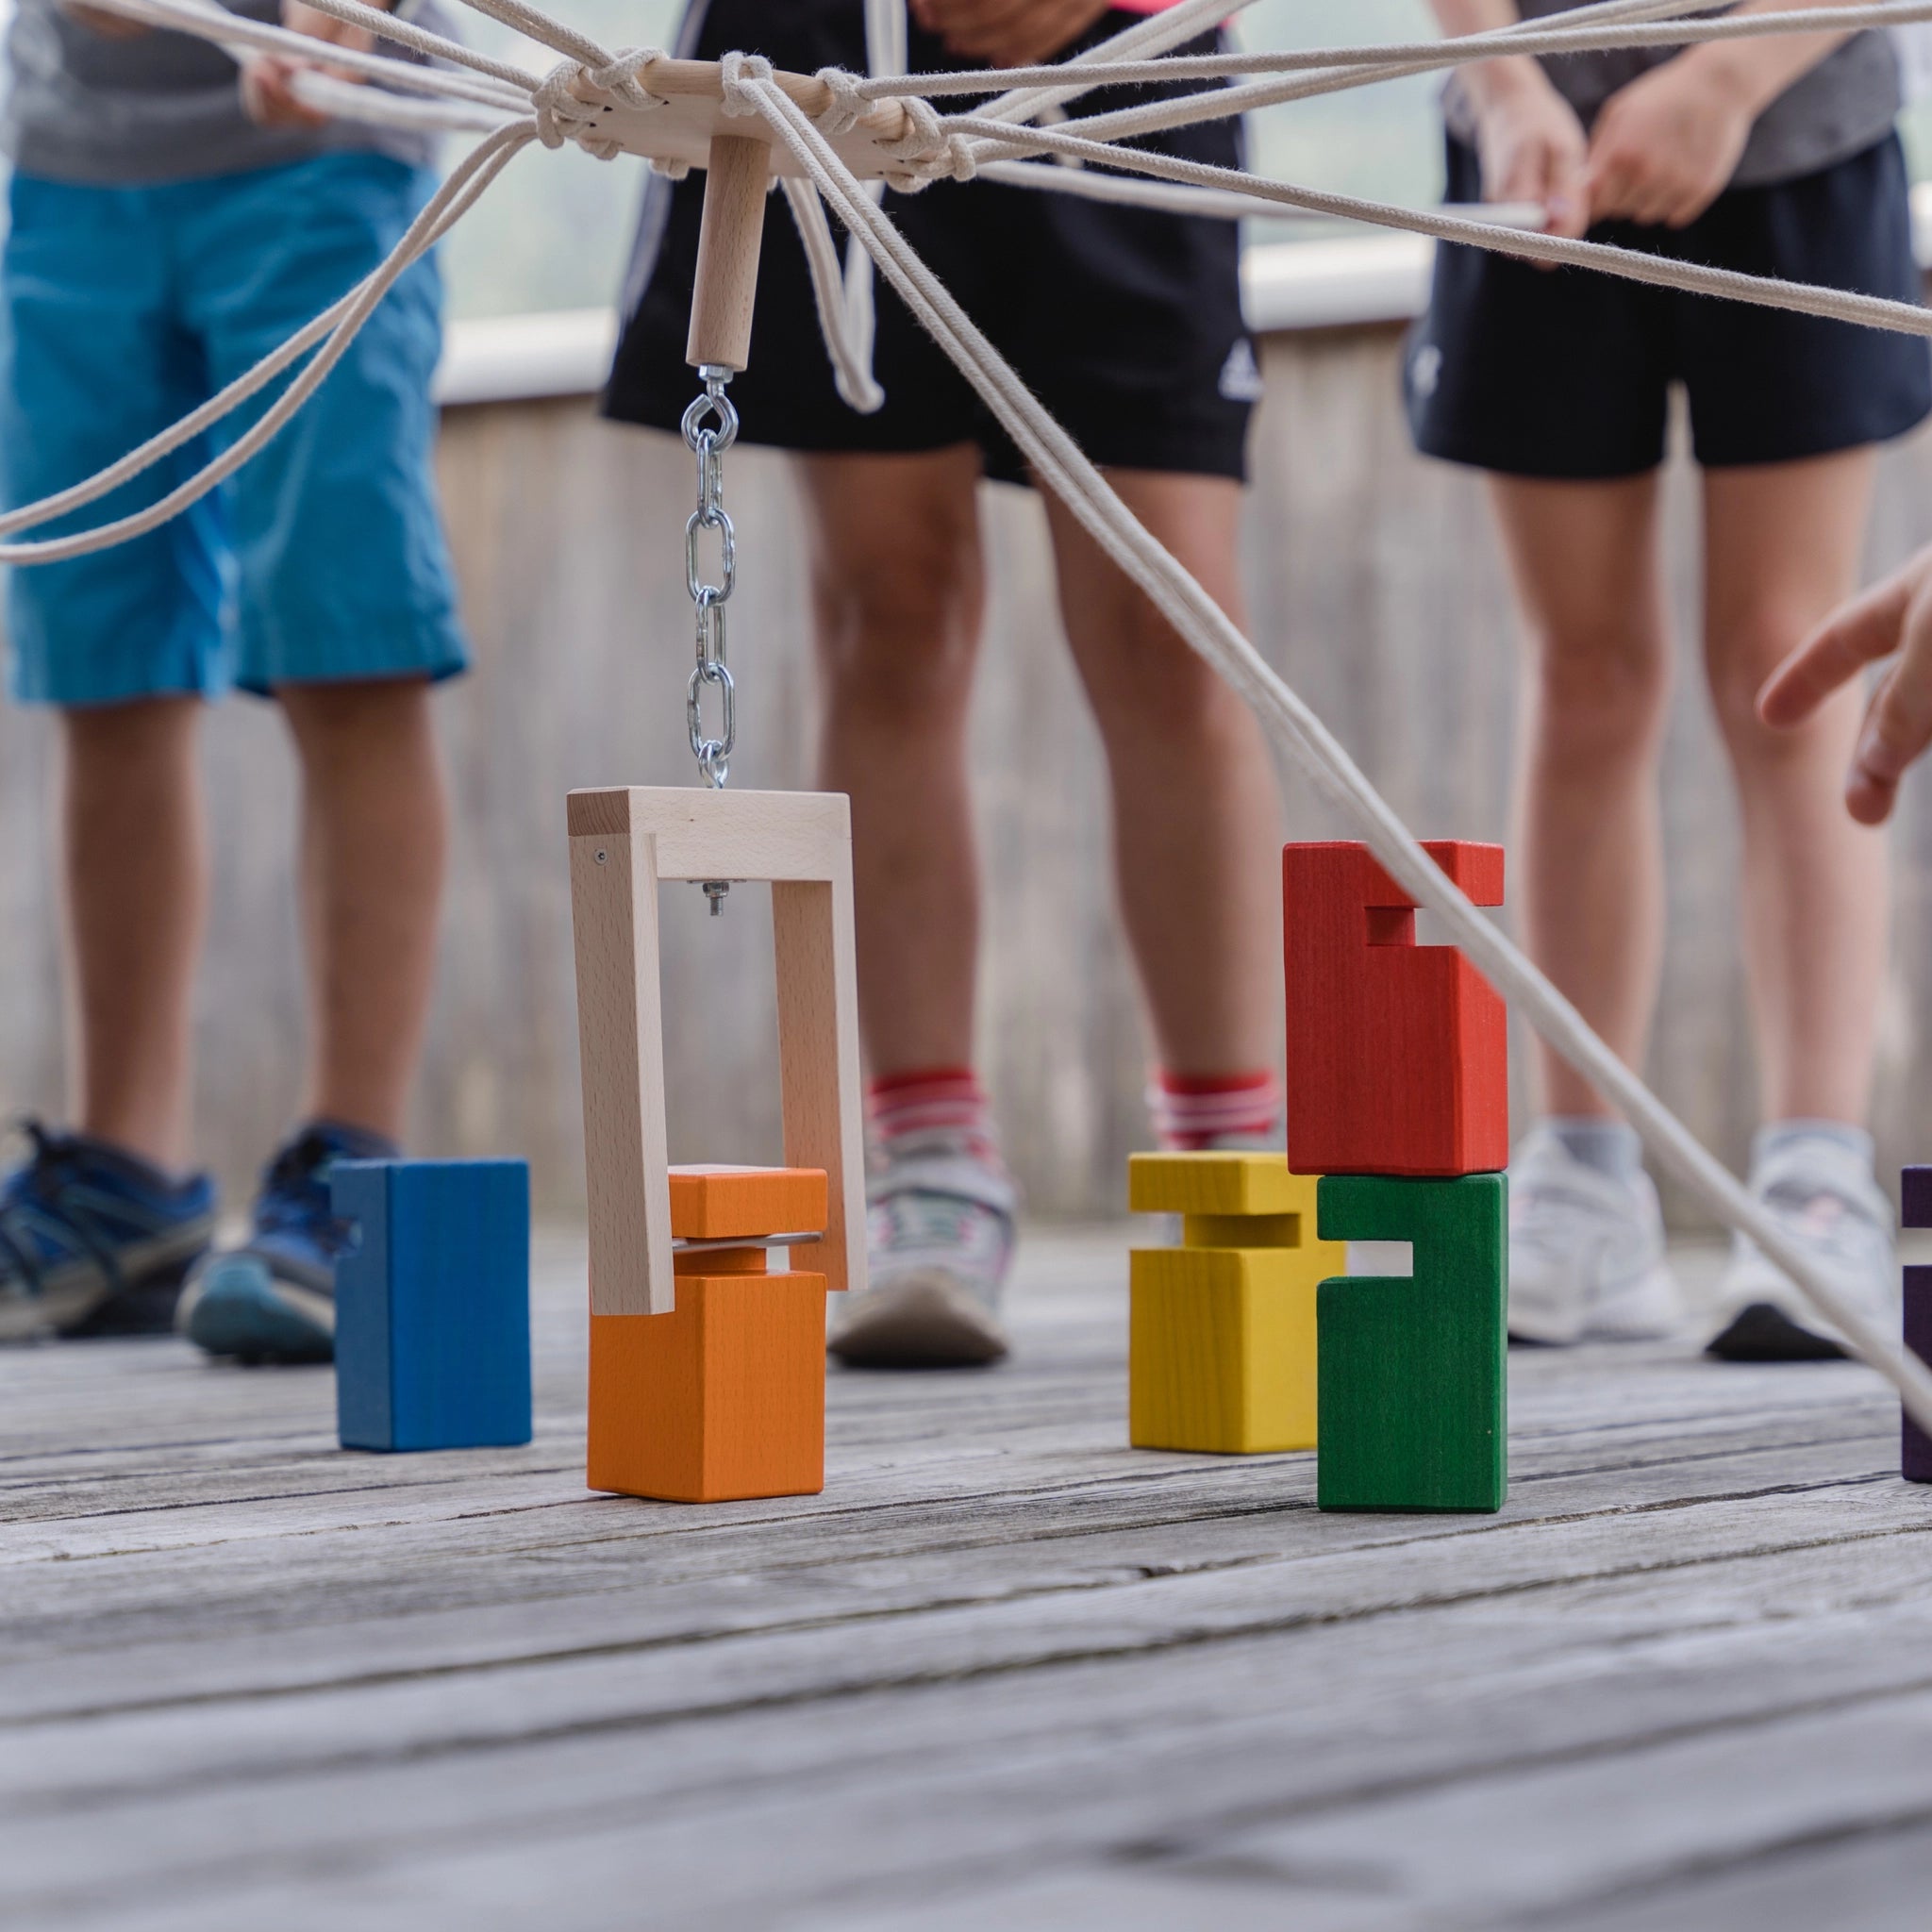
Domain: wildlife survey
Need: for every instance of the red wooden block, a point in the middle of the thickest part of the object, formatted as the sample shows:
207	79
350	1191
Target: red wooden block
1397	1054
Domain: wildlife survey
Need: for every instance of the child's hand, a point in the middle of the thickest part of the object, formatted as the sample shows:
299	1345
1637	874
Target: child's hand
1007	33
1666	146
1896	616
1532	145
268	80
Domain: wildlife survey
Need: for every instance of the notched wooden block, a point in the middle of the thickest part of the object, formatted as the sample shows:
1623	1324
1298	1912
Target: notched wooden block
1213	1184
1397	1054
1413	1368
721	1400
1221	1330
711	1204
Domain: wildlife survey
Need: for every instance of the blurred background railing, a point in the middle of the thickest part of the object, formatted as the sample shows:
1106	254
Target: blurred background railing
1374	586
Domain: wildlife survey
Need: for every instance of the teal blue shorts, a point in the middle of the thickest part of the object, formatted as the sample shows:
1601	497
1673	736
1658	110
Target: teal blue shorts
324	559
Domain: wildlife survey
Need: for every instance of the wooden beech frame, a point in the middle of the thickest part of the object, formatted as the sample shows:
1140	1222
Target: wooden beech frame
623	841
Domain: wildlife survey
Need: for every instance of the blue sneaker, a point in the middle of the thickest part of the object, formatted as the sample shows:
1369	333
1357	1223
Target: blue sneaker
93	1239
274	1299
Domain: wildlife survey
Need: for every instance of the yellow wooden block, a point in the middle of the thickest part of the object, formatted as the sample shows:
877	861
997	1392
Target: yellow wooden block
1242	1230
1218	1184
1222	1347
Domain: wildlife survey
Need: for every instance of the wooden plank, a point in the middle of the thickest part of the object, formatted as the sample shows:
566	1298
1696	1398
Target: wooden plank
744	834
613	879
819	1066
239	1685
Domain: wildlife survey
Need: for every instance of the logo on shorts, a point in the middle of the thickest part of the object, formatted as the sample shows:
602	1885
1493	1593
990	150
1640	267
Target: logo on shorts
1425	370
1240	374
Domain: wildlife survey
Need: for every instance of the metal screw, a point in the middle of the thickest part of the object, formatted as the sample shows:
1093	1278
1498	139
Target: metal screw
714	889
601	858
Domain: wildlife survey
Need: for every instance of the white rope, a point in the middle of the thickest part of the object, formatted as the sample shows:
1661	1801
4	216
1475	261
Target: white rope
1803	298
888	34
1182	22
1057	461
341	323
386	25
1339	80
209	22
1170	28
850	353
1418	56
1219	203
355	100
1425	57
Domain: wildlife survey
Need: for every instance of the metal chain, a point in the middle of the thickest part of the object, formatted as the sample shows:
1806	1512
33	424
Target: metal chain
710	428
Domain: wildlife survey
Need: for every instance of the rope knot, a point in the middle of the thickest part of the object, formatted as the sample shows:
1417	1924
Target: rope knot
563	113
927	151
740	72
848	106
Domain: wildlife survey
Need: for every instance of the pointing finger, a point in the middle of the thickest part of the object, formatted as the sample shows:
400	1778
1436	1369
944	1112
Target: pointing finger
1866	630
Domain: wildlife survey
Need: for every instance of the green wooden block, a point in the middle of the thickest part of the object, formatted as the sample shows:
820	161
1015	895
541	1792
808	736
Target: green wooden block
1412	1372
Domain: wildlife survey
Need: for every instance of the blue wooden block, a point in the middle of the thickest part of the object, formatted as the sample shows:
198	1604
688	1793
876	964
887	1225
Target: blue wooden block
433	1304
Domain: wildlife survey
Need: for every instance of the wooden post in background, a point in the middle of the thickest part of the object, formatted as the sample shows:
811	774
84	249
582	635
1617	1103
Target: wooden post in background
727	283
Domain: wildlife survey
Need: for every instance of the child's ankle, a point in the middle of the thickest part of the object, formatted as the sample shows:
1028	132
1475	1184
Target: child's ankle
931	1110
1193	1111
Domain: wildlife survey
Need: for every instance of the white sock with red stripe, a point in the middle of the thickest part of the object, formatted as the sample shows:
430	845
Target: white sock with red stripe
932	1109
1195	1112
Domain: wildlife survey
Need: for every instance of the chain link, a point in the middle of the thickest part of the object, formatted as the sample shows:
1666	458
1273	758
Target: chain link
710	428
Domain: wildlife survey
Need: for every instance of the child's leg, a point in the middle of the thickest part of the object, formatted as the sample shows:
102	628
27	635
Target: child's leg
1587	1245
1588	861
374	839
1196	811
897	595
1783	543
136	875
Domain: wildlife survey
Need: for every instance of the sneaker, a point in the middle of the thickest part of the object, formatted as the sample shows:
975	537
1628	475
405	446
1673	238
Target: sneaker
93	1239
1827	1200
274	1298
941	1243
1586	1251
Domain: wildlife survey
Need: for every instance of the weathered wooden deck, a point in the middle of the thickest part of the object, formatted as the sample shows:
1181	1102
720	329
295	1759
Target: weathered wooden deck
1003	1673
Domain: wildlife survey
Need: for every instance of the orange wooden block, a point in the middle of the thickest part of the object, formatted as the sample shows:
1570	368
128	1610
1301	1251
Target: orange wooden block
711	1204
719	1399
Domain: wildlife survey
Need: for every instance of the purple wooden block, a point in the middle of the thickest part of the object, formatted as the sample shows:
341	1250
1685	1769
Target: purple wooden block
1915	1211
1915	1197
1916	1461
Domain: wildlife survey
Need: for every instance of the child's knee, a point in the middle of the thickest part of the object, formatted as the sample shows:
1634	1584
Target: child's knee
1604	693
902	634
1743	652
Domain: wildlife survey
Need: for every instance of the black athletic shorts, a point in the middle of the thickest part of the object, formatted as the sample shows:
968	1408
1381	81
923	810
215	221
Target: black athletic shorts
1124	322
1565	373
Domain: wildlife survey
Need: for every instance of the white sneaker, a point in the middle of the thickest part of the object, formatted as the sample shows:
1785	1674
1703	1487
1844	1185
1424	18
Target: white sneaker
1585	1250
940	1243
1825	1195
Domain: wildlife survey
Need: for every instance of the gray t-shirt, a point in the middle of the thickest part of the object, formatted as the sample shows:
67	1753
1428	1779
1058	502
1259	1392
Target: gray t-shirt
82	106
1839	109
